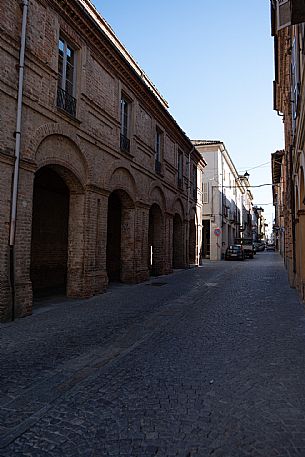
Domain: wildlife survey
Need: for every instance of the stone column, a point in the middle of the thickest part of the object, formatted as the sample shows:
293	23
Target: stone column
128	244
185	241
6	168
301	247
297	252
95	241
23	284
168	245
141	242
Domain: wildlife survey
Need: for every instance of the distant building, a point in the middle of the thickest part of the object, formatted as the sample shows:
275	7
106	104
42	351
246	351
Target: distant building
259	224
278	180
227	201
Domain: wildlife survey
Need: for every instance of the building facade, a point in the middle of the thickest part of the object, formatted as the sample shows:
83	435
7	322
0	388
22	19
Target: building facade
278	194
227	201
288	168
98	182
259	224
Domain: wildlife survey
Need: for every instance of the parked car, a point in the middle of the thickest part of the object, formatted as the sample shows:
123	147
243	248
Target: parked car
247	245
235	252
270	247
259	246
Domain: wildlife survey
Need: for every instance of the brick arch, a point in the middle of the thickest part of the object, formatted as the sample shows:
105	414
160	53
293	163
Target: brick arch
62	151
59	203
41	150
178	208
122	178
125	197
68	175
156	195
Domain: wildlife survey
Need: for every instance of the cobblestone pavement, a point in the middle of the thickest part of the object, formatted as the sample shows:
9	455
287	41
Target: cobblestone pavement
206	362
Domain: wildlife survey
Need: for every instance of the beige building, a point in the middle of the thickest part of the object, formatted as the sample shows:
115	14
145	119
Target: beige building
227	200
97	180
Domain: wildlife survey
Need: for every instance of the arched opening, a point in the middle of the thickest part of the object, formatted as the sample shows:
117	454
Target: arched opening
177	242
206	239
155	241
192	240
50	227
120	237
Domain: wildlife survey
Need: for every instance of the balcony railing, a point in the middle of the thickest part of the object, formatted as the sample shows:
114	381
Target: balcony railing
66	102
158	167
124	143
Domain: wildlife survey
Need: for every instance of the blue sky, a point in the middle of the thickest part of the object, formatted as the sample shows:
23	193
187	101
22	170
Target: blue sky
213	63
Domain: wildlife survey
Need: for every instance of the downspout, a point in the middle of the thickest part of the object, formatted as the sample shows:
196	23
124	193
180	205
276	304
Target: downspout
25	4
188	208
293	206
222	223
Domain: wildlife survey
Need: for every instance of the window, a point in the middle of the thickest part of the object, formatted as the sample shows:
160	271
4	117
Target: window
205	192
295	80
66	78
194	182
125	113
180	169
158	146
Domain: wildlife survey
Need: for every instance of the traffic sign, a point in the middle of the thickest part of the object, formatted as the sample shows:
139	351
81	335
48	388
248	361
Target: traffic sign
217	231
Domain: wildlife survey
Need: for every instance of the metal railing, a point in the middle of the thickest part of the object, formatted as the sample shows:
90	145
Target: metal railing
158	167
66	102
124	143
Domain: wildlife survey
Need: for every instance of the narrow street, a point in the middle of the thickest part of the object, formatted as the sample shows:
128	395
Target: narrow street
203	362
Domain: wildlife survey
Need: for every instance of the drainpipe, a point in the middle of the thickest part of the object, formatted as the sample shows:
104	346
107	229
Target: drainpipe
188	207
222	222
293	208
25	4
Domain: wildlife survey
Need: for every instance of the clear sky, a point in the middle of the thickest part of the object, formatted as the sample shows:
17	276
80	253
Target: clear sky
213	63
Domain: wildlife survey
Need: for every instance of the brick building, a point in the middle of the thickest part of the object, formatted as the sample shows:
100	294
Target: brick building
108	183
288	166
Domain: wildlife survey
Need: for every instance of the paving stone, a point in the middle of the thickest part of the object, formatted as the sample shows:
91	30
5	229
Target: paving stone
186	370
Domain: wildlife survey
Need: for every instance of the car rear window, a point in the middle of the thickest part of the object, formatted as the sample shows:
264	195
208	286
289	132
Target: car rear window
234	248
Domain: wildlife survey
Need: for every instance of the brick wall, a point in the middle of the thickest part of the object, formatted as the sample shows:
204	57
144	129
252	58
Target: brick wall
83	153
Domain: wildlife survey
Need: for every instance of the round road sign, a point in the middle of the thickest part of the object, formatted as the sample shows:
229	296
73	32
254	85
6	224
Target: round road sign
217	231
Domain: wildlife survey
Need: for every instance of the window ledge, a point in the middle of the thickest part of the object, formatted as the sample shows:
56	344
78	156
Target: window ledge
159	175
126	154
69	116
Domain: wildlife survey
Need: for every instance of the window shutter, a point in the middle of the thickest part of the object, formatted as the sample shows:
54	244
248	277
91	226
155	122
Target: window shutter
205	197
